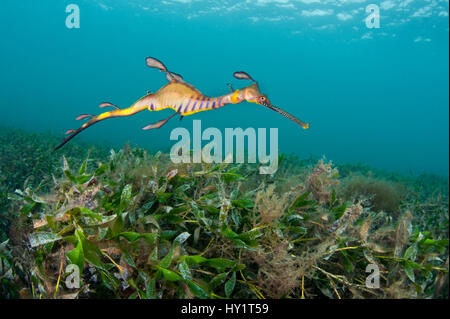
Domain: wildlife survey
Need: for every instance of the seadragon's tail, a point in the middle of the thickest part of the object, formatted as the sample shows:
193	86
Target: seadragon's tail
138	107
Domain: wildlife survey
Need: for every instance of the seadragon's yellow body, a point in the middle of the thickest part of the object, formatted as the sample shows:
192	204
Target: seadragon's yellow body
183	98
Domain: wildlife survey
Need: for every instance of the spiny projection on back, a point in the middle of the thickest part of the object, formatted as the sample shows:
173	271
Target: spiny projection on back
183	98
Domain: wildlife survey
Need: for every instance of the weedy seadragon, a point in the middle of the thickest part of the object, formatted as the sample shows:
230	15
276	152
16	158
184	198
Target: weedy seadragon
184	99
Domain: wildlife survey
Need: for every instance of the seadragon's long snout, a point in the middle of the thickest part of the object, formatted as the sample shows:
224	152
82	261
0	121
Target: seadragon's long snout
285	114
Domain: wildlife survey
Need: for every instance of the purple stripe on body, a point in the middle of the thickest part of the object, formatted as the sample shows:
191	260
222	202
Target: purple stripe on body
201	103
193	106
188	103
204	103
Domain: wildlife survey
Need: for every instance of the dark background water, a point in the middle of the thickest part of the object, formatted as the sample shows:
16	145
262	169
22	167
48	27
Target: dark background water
378	96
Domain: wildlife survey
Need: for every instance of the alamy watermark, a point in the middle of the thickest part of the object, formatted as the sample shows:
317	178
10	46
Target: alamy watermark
73	279
373	279
73	19
373	19
212	152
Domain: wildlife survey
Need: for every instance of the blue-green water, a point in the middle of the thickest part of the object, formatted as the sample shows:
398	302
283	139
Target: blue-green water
378	96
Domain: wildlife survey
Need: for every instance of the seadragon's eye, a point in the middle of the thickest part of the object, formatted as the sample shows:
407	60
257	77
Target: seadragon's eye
262	100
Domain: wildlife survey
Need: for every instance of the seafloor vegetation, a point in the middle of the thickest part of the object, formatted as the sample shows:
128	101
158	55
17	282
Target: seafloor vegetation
139	226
